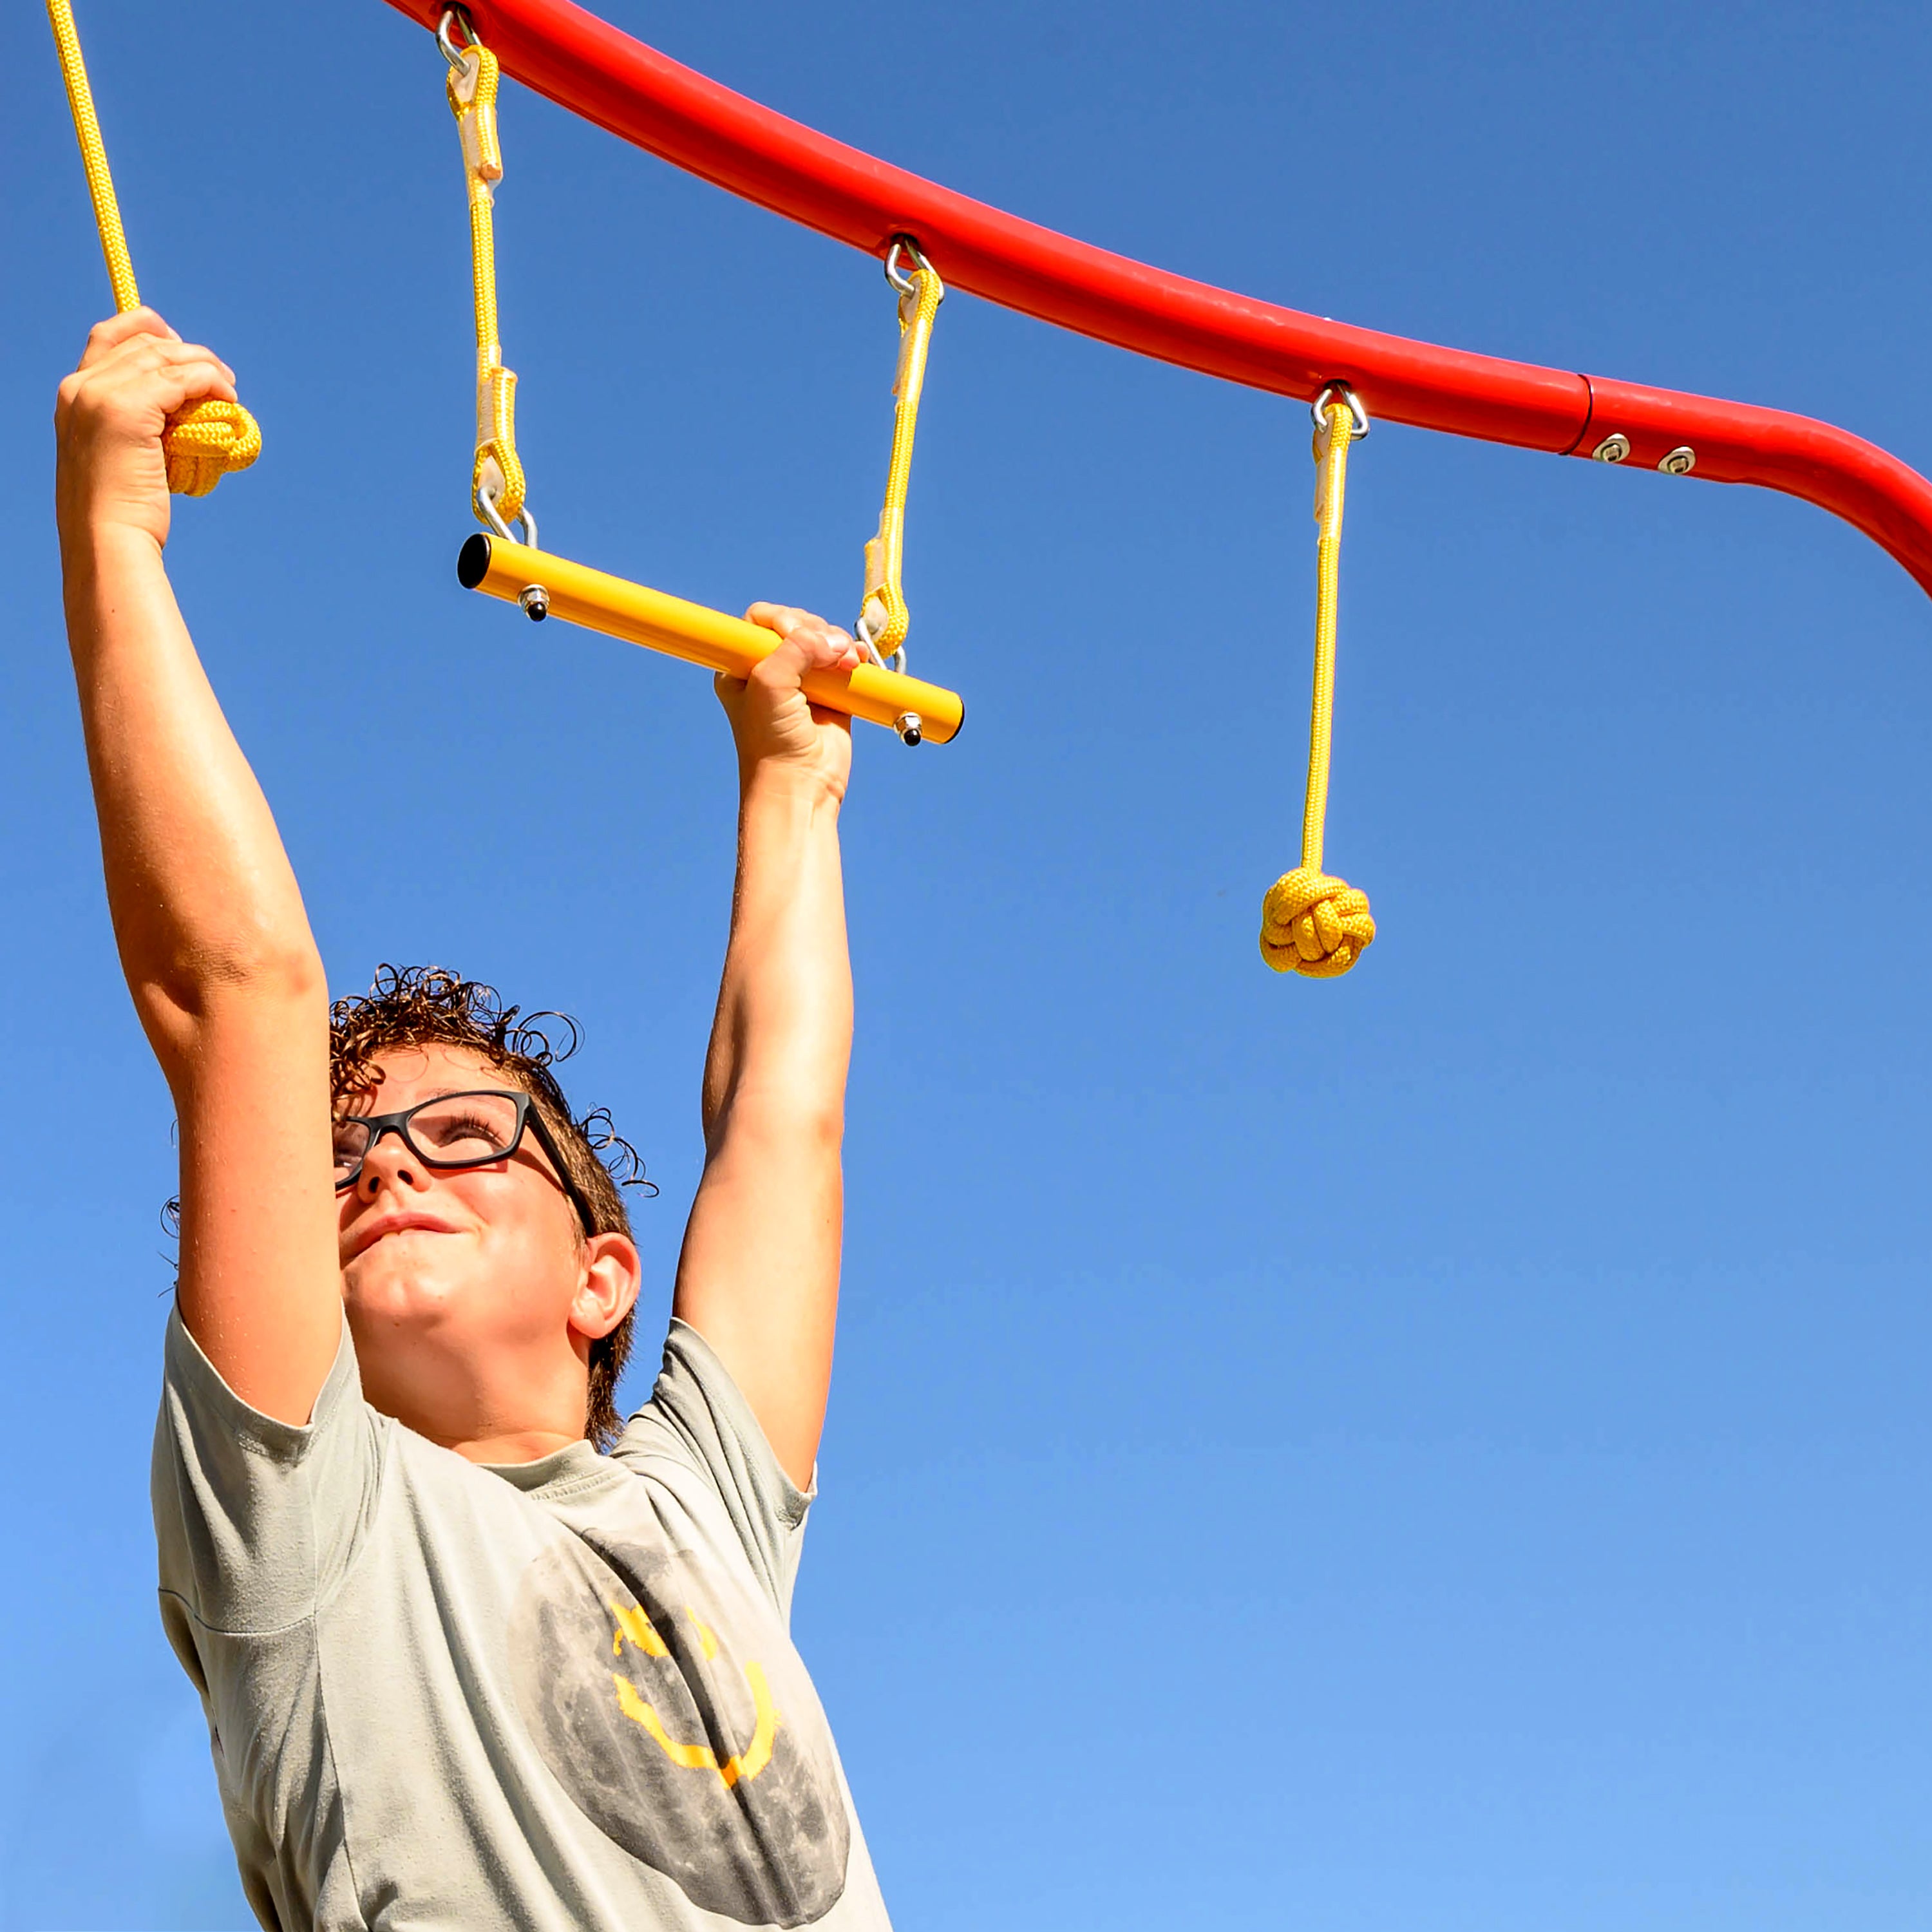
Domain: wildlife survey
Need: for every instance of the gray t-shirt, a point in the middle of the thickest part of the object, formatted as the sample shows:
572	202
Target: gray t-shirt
547	1697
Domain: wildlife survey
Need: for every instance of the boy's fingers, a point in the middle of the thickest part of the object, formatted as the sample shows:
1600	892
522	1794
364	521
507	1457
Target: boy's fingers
783	618
176	354
145	356
183	382
161	375
787	619
810	644
195	349
813	646
786	667
823	642
199	384
109	335
834	650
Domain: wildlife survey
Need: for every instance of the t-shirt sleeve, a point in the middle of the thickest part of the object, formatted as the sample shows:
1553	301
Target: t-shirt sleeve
697	1416
256	1520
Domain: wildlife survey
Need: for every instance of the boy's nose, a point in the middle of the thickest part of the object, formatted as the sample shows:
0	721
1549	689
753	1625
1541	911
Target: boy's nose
389	1159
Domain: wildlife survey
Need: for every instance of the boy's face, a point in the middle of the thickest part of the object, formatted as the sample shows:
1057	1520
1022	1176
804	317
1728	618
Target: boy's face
458	1282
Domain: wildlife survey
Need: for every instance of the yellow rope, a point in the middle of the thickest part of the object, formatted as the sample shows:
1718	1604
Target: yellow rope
883	610
1312	922
207	440
497	475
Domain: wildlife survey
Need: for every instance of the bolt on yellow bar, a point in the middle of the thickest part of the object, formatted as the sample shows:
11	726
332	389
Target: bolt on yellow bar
543	585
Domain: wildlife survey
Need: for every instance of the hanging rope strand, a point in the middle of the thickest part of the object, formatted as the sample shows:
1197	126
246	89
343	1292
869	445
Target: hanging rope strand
496	483
1331	460
1312	923
883	619
94	157
208	439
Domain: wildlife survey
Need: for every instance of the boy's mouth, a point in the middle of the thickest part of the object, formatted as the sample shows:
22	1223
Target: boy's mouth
411	1221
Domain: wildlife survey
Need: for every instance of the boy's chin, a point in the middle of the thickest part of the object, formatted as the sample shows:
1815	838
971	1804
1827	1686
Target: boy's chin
395	1288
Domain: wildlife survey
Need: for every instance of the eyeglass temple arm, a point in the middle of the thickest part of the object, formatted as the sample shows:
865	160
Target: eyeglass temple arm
533	1114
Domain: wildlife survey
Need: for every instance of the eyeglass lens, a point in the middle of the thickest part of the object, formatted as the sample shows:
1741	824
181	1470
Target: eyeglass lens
453	1130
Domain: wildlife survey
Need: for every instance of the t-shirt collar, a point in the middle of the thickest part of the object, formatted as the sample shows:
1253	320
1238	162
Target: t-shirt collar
565	1468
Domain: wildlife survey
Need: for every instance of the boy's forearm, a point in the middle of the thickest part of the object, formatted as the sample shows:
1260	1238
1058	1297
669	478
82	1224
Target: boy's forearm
758	1276
782	1040
200	891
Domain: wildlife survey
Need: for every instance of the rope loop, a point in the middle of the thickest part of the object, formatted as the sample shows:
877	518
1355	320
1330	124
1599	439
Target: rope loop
1312	922
883	618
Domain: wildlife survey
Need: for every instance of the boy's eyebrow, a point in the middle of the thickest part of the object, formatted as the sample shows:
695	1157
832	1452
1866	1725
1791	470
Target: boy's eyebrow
444	1094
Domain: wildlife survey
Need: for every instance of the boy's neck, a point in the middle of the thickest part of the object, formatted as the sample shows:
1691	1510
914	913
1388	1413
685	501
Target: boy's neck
527	1445
514	1410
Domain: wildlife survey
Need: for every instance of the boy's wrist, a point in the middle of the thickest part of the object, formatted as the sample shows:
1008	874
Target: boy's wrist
90	535
787	786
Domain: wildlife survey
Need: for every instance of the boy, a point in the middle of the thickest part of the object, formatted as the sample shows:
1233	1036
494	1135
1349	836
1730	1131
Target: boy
459	1669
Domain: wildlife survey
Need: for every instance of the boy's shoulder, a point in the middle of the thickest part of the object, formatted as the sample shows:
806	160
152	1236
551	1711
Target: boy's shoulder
260	1522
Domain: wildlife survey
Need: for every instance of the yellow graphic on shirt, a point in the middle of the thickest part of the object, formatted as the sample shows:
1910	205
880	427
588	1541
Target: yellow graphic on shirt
707	1642
637	1627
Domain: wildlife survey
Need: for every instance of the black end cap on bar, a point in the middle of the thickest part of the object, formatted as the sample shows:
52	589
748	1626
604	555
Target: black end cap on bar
472	560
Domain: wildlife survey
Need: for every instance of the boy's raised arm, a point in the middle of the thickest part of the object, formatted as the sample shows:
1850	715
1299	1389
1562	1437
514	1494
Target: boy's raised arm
759	1275
213	938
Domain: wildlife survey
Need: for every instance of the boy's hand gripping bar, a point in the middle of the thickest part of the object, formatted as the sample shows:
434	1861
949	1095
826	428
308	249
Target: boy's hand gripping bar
542	585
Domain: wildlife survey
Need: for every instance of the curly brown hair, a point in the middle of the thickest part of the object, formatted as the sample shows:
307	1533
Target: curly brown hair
420	1006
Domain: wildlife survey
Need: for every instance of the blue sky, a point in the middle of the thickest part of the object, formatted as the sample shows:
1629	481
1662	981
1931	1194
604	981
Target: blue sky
1443	1449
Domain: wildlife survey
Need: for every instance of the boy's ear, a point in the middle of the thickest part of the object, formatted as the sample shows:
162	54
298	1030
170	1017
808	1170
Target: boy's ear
613	1274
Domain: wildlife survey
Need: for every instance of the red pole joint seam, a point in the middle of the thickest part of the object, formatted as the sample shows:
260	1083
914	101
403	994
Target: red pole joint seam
585	65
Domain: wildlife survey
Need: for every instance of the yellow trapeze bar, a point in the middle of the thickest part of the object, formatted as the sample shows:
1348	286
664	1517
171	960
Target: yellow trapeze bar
517	574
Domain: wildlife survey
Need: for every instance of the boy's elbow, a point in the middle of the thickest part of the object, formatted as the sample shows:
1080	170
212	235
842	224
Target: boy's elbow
253	969
823	1128
778	1117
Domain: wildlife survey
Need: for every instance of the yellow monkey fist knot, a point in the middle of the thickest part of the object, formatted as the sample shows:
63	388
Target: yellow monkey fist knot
206	442
1314	924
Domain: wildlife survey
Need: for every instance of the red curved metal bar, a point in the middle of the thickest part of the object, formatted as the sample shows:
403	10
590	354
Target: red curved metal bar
586	65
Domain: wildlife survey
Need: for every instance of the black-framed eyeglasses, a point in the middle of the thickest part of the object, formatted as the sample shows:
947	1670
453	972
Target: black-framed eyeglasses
453	1131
